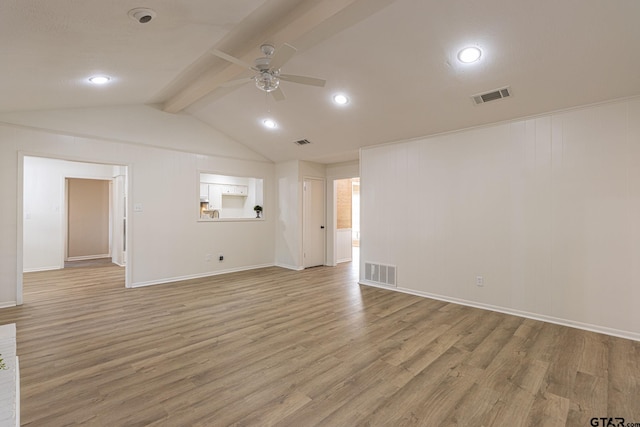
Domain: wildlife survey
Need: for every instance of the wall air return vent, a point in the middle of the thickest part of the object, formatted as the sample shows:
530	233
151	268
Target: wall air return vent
380	274
493	95
302	142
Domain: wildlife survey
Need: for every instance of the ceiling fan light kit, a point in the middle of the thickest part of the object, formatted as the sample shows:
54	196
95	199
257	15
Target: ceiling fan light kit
267	81
268	75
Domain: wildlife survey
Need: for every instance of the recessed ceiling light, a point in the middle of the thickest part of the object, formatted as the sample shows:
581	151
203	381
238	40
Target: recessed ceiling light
99	80
469	54
268	123
340	99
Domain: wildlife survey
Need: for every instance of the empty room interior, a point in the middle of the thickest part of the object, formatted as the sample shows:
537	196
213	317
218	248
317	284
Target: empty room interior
319	213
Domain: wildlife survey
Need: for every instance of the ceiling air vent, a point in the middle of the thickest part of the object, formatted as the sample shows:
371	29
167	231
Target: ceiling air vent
302	142
493	95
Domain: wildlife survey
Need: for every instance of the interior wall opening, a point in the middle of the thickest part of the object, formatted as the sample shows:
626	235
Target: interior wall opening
347	195
60	206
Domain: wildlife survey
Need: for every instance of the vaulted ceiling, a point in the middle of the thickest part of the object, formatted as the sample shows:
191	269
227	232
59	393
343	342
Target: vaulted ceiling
396	60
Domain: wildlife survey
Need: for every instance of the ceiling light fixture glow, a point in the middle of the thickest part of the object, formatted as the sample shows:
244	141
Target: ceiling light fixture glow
267	81
99	80
469	54
340	99
268	123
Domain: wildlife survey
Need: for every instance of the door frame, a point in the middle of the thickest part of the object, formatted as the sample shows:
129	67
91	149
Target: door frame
128	171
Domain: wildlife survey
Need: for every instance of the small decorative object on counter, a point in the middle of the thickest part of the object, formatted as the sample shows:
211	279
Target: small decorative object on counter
258	210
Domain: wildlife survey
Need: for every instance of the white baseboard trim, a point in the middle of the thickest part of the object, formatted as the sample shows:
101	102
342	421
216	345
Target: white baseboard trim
119	264
344	260
34	270
7	304
86	257
635	336
197	276
289	267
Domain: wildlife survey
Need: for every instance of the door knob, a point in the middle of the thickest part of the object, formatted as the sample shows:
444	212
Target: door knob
322	226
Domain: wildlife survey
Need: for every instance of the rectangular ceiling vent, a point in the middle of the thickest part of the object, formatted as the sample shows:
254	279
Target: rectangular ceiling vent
493	95
302	142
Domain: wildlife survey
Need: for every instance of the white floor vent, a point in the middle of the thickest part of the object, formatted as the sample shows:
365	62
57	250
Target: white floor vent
380	273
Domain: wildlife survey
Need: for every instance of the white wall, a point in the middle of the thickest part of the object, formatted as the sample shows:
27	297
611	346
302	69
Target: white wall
289	216
546	210
136	124
290	176
44	209
312	170
167	242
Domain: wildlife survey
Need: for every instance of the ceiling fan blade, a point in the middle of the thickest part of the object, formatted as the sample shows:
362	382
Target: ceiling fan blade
281	56
237	82
311	81
278	94
231	59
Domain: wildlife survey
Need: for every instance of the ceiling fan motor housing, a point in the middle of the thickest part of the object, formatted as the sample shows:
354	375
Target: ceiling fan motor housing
263	63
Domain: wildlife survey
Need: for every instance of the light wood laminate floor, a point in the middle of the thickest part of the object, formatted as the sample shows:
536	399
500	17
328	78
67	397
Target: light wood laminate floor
278	347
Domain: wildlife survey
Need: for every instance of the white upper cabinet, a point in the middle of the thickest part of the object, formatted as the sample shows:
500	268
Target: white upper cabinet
235	190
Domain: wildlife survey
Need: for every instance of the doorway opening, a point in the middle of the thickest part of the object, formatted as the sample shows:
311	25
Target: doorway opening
72	211
347	199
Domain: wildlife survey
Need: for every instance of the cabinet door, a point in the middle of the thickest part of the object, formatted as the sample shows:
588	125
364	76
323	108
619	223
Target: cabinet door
215	196
204	191
242	190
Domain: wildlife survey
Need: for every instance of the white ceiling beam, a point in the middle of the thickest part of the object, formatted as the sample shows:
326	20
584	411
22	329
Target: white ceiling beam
208	81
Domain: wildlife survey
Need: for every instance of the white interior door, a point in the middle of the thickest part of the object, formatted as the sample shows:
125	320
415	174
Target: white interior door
313	217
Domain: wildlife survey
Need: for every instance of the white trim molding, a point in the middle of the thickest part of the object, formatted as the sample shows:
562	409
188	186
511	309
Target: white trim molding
534	316
197	276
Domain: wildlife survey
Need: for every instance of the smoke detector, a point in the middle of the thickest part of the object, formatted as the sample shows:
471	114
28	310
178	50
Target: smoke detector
142	15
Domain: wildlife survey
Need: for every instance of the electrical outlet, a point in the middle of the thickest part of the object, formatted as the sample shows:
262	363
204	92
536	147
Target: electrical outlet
479	281
208	257
220	257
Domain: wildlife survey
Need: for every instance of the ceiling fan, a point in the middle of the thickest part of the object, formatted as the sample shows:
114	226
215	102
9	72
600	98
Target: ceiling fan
268	75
